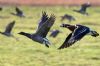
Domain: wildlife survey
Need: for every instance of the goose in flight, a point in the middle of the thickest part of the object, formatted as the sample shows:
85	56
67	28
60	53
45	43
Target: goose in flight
68	17
83	8
8	29
19	12
54	33
43	28
78	32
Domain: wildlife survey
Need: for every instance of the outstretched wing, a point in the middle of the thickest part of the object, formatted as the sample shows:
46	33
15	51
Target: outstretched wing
65	44
78	34
45	27
44	18
18	11
84	7
9	27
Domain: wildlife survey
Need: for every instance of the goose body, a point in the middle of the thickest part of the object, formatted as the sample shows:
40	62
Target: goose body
43	28
8	29
68	17
78	32
19	12
83	8
54	33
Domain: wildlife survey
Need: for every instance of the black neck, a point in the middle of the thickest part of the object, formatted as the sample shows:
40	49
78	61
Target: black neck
26	34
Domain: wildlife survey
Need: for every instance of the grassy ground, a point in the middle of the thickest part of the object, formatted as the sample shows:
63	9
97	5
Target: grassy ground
26	52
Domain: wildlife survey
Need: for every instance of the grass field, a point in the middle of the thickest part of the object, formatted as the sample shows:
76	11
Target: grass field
26	52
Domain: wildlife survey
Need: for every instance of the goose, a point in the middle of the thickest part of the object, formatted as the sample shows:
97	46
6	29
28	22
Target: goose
83	8
78	32
54	33
1	8
8	29
68	17
43	28
19	12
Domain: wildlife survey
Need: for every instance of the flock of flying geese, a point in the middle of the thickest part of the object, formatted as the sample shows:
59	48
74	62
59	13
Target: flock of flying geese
77	31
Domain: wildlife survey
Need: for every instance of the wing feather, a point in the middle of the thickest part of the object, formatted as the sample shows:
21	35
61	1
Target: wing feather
9	27
78	34
45	27
44	18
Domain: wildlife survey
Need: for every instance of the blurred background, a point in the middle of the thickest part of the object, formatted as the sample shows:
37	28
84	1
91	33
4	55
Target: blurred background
48	2
22	51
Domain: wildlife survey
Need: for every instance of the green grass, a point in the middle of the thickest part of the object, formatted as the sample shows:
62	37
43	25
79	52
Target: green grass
26	52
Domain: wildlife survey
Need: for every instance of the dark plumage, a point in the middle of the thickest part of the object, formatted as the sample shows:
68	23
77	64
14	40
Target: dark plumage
42	31
78	32
19	12
68	17
1	8
43	19
8	29
83	8
54	33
